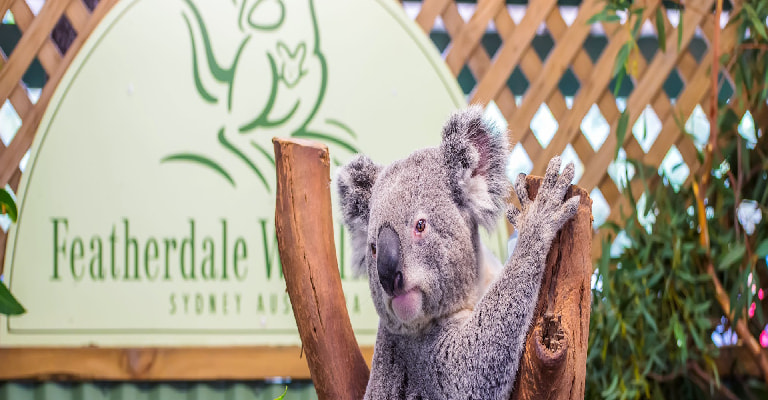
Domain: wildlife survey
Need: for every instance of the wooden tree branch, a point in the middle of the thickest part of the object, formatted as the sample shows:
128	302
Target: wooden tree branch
305	240
555	357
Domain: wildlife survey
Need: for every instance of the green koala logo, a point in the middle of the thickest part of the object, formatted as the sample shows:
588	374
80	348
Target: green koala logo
293	91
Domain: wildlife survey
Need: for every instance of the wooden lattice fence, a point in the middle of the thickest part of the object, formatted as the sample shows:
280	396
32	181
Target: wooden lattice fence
52	37
568	55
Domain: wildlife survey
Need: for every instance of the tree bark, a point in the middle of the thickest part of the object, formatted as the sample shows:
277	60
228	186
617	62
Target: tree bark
555	356
305	240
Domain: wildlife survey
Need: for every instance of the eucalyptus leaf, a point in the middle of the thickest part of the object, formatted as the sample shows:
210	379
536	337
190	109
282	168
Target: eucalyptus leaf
619	79
621	131
764	94
622	57
762	249
8	304
757	25
282	396
636	29
8	205
736	254
650	320
702	307
746	74
599	17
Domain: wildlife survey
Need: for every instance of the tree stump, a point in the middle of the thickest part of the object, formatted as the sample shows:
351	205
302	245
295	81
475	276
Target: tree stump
555	356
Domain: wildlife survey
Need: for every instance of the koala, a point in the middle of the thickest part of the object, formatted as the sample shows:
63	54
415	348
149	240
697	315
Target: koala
414	226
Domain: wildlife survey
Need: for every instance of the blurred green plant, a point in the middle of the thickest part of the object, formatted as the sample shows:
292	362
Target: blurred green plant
8	304
694	256
282	396
654	304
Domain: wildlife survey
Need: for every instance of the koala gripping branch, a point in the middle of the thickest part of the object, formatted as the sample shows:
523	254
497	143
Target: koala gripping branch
554	361
305	240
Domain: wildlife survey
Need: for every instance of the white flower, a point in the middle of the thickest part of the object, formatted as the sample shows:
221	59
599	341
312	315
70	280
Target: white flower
749	215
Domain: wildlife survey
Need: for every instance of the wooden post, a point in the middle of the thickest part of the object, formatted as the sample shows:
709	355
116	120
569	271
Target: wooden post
555	356
305	240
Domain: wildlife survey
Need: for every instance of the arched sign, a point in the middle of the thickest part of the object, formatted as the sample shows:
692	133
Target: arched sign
147	204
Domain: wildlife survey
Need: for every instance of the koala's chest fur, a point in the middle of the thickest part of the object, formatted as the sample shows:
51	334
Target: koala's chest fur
429	366
413	366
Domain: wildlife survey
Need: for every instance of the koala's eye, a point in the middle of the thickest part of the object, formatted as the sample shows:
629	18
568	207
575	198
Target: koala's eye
421	225
373	249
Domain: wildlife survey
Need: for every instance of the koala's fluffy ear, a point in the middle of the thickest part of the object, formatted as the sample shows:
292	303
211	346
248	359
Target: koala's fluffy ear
354	183
475	156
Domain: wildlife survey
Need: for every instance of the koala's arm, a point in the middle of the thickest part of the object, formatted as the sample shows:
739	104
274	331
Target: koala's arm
483	355
388	368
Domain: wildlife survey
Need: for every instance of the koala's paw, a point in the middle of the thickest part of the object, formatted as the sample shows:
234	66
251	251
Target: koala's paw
548	212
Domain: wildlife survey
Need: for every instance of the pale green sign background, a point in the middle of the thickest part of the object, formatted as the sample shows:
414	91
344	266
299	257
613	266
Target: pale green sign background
147	207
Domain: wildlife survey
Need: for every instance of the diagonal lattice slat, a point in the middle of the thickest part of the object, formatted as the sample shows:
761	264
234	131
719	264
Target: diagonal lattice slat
557	63
48	54
513	47
647	87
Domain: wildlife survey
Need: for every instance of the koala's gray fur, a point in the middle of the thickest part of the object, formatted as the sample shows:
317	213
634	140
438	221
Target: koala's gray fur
441	334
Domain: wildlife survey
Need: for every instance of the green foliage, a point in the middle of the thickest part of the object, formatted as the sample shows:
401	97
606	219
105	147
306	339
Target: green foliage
652	308
621	131
8	205
282	396
654	303
8	304
748	64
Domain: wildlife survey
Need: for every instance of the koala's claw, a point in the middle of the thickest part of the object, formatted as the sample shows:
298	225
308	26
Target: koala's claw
548	212
567	211
550	177
562	184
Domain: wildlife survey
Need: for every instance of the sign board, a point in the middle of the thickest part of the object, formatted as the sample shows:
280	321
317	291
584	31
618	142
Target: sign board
147	204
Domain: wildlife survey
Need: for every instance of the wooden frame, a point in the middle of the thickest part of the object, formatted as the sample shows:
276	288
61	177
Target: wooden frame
156	364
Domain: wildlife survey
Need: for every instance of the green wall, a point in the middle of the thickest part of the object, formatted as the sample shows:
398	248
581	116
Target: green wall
154	391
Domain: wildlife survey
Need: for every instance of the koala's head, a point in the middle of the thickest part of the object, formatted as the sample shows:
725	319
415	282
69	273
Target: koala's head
414	223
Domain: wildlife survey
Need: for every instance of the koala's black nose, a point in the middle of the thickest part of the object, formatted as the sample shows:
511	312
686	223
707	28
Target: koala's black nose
388	260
